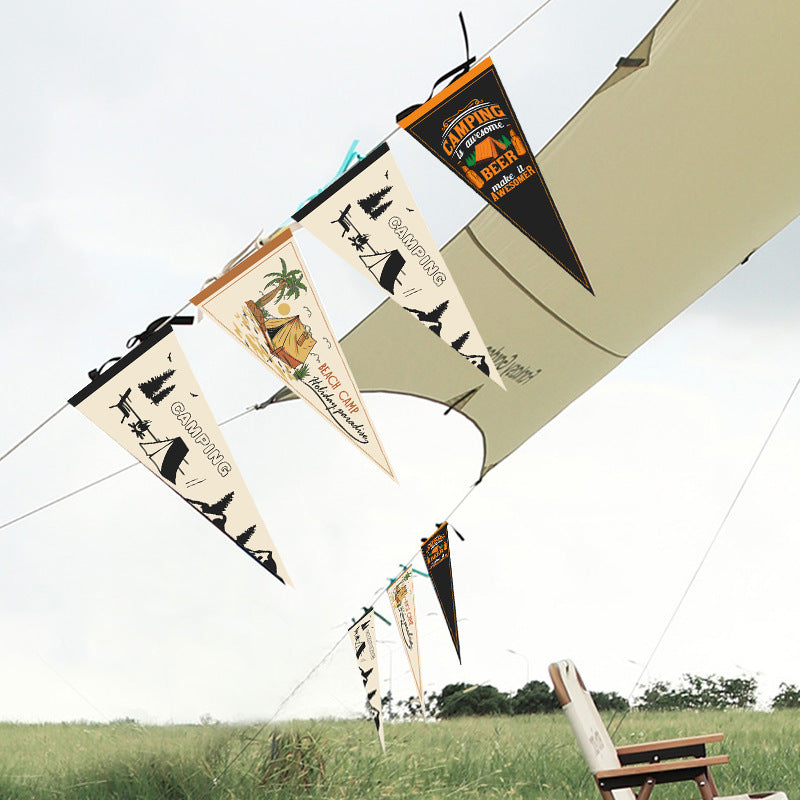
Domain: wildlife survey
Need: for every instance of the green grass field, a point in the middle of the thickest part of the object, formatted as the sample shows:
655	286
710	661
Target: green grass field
523	757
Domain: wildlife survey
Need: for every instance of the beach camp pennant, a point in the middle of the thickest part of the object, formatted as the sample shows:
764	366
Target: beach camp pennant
150	403
436	552
401	598
369	218
362	636
471	127
268	304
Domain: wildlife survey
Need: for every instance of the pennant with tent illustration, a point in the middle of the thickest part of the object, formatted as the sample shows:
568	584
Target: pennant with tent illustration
369	218
268	303
362	636
401	598
150	403
436	552
471	127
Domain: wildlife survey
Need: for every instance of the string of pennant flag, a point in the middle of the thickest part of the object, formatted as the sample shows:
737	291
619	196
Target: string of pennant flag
149	400
151	404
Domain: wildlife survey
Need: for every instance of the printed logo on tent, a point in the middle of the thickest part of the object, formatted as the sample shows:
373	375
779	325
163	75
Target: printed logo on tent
471	127
362	637
436	552
150	403
268	304
369	218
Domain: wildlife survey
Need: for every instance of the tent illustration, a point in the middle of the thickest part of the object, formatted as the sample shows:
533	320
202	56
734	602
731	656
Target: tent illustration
287	337
488	148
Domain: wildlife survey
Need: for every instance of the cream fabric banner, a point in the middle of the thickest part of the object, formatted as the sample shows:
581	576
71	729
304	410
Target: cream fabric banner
268	303
401	598
151	404
369	218
362	635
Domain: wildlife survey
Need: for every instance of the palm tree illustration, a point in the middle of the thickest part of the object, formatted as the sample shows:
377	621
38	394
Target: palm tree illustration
287	283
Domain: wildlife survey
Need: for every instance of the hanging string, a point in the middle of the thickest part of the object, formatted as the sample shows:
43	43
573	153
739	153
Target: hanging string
703	560
378	594
38	427
454	73
259	237
94	374
100	480
470	60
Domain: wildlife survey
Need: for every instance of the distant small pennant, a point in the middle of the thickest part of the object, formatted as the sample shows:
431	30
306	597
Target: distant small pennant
471	127
369	218
151	404
401	598
436	552
362	637
269	304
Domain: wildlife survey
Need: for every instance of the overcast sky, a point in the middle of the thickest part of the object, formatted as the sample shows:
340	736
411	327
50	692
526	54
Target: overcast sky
144	145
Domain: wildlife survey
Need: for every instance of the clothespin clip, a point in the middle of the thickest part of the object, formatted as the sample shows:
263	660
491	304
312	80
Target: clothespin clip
351	155
414	569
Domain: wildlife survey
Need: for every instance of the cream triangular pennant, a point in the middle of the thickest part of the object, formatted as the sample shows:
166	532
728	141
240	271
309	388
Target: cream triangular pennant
362	636
151	404
369	218
268	303
401	598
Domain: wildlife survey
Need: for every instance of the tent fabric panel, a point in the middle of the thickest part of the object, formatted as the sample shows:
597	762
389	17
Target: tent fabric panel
544	364
670	178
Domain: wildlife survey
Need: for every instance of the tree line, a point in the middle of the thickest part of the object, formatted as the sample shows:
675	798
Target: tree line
696	692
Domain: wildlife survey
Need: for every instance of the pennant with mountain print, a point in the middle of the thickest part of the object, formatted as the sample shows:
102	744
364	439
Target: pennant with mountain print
369	218
362	636
151	404
268	303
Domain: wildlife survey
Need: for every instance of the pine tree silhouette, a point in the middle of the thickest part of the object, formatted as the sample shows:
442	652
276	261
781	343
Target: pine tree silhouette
370	203
220	506
156	399
243	538
437	312
150	389
461	341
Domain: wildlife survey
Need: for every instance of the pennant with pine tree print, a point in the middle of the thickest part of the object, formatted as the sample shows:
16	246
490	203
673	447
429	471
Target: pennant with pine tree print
369	218
362	637
150	403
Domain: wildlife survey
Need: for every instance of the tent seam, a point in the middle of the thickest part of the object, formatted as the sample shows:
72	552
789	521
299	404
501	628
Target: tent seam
535	299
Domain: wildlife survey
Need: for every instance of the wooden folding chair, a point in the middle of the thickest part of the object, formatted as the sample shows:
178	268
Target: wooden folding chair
632	772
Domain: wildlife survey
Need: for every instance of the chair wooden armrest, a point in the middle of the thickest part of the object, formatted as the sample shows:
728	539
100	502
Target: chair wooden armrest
653	752
662	772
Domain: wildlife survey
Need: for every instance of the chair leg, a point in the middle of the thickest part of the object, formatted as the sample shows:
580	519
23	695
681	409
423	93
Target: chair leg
706	785
647	788
710	779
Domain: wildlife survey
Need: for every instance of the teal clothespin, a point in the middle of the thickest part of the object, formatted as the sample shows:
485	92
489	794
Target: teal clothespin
352	155
366	610
414	569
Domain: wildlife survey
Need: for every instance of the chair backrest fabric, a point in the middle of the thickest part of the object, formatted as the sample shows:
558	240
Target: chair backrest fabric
586	724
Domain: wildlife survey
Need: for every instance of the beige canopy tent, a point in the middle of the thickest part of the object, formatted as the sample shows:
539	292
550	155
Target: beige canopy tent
685	161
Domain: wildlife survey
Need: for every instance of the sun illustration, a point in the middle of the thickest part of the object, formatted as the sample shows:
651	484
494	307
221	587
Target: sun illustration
284	309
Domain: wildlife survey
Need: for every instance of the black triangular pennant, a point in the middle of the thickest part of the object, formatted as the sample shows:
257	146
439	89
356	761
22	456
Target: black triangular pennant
471	127
436	552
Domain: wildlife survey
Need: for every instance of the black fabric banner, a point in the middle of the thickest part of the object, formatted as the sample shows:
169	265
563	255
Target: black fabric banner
436	552
472	128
